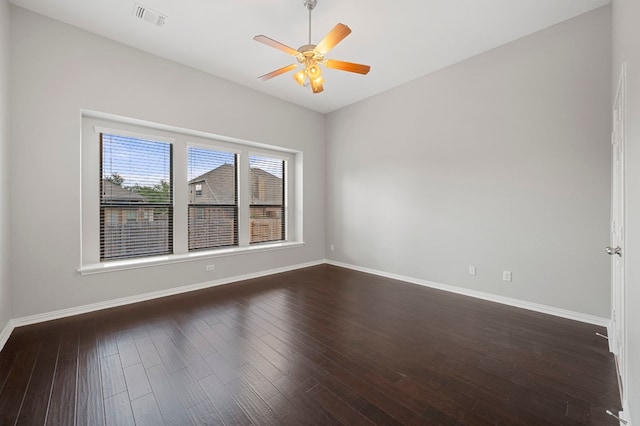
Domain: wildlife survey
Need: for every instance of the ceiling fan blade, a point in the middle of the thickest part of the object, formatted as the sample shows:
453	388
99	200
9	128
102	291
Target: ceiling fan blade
335	36
271	42
347	66
277	72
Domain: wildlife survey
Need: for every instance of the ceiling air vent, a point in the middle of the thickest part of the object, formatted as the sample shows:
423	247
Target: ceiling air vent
151	16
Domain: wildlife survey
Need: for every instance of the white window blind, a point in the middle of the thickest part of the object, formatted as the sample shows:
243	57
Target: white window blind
213	198
267	207
136	197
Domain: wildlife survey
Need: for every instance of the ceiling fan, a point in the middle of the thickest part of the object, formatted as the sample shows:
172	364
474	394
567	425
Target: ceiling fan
311	56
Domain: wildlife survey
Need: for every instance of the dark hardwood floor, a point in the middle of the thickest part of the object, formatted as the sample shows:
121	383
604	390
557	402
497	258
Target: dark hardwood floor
317	346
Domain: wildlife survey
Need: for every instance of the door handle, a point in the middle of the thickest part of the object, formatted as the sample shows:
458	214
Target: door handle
613	250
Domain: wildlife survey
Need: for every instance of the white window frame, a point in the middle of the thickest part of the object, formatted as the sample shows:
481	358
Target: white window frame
95	123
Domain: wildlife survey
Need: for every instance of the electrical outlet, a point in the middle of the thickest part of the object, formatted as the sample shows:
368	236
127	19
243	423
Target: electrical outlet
472	270
506	275
211	267
331	247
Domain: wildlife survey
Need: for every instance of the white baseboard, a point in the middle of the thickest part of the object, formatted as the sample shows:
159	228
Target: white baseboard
48	316
550	310
5	334
609	338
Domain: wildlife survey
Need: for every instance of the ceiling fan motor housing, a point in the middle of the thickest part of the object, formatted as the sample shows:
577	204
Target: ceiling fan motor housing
308	51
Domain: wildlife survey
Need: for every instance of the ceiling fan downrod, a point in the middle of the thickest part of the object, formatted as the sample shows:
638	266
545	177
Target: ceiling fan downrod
310	5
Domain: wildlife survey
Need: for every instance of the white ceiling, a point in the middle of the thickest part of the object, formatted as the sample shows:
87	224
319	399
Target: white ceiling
401	40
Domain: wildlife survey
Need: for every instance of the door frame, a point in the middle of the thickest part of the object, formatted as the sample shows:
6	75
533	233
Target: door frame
618	330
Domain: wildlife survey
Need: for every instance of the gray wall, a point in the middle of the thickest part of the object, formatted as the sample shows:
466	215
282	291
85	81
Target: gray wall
500	161
626	47
5	293
57	70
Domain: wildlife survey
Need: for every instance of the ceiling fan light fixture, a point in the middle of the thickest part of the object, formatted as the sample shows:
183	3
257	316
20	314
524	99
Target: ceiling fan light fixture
316	85
300	76
313	69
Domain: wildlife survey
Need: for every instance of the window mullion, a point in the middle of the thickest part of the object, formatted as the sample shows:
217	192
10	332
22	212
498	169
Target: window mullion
244	193
180	197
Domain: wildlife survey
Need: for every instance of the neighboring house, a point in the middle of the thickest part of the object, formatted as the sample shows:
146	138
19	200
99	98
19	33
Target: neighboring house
217	190
121	198
266	189
217	186
267	206
127	216
213	214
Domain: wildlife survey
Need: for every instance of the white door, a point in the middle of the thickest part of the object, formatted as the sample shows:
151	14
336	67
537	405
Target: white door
616	250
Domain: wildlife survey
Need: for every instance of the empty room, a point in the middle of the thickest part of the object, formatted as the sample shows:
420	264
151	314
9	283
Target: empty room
313	212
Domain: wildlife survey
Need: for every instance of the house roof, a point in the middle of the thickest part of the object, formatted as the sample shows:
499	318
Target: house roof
115	193
218	186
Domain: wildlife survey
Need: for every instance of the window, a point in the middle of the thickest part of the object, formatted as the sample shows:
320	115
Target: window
213	200
135	182
267	208
169	195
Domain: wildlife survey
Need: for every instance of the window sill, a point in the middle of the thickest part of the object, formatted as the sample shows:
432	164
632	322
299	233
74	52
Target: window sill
121	265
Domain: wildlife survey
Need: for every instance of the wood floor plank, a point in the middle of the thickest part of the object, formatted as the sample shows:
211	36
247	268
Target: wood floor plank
223	370
378	416
135	377
7	360
62	404
200	343
148	353
204	414
290	411
316	346
295	393
219	397
36	399
169	354
113	381
90	401
186	385
340	409
118	410
146	411
90	407
259	383
187	351
17	384
251	403
171	407
107	341
127	350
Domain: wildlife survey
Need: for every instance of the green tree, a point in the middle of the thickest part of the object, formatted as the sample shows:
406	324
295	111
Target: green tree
116	179
159	193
